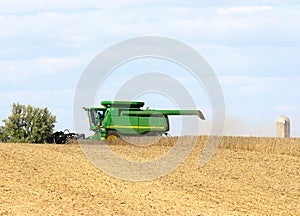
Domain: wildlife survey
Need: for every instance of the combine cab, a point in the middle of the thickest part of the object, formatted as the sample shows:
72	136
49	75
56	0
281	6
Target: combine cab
118	118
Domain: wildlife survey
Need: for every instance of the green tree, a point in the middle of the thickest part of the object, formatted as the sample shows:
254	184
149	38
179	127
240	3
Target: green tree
2	136
28	124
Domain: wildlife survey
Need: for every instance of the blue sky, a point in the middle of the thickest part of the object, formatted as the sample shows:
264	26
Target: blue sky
252	46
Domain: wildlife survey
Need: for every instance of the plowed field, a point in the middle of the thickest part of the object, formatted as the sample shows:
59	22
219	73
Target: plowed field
247	176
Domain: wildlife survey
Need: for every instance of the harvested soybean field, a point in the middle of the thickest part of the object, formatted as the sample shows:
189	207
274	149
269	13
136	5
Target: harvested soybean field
246	176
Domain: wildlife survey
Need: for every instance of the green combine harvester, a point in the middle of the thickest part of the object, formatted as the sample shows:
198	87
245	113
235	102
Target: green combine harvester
127	118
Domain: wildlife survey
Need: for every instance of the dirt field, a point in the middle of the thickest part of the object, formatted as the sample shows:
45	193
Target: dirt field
247	176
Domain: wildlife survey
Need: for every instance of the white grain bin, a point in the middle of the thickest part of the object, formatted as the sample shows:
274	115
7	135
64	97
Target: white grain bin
283	127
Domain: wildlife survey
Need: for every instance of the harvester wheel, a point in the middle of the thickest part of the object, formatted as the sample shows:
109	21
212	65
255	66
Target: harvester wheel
112	135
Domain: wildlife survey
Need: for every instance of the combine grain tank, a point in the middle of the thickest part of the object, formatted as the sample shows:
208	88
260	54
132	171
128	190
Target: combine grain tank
116	118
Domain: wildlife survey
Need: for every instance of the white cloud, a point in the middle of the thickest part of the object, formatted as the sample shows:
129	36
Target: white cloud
42	97
245	9
14	6
240	80
252	45
49	66
243	85
261	86
204	23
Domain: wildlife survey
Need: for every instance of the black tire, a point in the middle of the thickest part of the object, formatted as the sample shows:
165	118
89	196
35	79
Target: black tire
112	135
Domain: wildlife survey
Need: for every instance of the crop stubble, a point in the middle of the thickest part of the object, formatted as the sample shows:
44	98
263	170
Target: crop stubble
247	175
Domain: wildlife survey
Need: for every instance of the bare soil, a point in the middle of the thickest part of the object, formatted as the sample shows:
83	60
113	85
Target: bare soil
247	176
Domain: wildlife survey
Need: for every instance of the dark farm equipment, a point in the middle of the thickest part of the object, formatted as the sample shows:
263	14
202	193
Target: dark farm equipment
64	137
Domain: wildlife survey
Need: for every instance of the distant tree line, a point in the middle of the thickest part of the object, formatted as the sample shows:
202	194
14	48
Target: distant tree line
27	124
